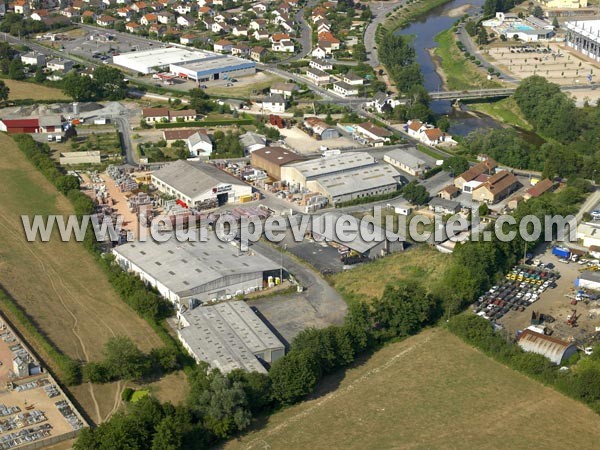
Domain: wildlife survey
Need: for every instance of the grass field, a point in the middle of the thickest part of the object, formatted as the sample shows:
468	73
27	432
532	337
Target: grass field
429	391
420	263
457	72
505	110
59	285
21	90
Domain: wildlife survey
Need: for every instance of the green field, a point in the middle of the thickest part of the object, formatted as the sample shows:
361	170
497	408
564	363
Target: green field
428	391
59	284
21	90
421	264
458	72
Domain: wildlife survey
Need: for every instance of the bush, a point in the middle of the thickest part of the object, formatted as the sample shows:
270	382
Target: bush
127	394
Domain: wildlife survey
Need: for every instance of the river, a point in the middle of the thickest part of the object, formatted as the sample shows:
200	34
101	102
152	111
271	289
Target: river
423	31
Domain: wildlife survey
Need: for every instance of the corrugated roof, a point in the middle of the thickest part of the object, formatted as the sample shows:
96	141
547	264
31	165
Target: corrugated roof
552	348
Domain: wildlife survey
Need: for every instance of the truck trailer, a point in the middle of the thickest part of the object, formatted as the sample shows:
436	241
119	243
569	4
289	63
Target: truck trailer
561	252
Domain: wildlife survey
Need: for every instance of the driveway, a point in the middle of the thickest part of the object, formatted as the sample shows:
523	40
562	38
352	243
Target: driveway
319	305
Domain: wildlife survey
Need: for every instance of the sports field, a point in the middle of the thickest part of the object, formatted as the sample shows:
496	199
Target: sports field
59	285
430	391
420	264
20	90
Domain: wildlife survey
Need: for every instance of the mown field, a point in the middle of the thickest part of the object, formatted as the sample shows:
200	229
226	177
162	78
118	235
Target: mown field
21	90
58	284
429	391
420	264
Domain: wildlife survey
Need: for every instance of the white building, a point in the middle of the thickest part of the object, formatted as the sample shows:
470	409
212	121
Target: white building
252	141
405	161
33	59
344	89
317	76
274	103
229	336
372	134
199	184
284	46
584	36
200	145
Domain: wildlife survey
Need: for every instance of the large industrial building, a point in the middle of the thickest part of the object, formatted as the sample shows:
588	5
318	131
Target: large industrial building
342	177
584	36
229	336
189	63
180	269
199	184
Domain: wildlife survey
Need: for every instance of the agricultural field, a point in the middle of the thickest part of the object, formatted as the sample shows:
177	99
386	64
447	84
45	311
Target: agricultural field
58	284
21	90
420	263
429	391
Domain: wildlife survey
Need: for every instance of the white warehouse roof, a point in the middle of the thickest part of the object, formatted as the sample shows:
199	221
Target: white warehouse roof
332	164
228	336
144	61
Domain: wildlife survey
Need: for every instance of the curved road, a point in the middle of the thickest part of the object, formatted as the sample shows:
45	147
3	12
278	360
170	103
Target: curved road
379	11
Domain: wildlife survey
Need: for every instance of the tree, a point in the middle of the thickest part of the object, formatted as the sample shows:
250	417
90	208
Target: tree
15	69
538	12
168	435
4	91
415	193
293	376
66	183
456	165
482	36
79	87
124	360
359	52
110	83
443	123
40	76
555	23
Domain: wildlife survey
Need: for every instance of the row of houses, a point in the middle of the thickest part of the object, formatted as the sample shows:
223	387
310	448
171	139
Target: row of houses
53	65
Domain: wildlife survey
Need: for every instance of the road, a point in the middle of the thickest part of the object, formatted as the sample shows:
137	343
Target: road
305	39
379	11
588	205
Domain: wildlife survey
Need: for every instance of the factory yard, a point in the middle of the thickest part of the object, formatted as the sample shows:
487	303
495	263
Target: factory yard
58	284
554	302
302	143
425	390
559	65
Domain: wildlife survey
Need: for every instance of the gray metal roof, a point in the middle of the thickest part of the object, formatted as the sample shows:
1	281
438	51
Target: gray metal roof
193	178
590	276
443	203
362	179
186	268
228	336
406	158
332	164
249	139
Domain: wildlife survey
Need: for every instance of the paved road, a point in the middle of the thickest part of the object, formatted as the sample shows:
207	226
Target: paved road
319	305
588	205
379	11
305	39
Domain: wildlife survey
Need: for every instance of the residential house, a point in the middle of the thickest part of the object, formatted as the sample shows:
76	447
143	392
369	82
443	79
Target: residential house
222	46
285	46
353	79
149	19
33	59
105	21
277	37
261	34
258	53
21	7
435	136
382	102
183	115
241	50
239	30
217	27
323	26
320	64
372	134
153	115
345	89
186	21
319	52
165	17
184	8
139	7
124	13
200	145
284	89
317	76
274	103
60	65
486	167
39	15
326	39
189	39
70	12
257	24
449	192
496	188
157	29
442	206
132	27
88	16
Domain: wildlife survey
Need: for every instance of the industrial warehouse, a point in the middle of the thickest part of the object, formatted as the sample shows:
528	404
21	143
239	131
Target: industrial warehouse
342	177
188	63
208	270
228	336
200	185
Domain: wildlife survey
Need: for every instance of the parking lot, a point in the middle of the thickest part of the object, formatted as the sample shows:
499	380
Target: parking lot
555	301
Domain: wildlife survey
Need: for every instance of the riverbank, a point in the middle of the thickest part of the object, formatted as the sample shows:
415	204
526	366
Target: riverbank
402	16
457	71
505	111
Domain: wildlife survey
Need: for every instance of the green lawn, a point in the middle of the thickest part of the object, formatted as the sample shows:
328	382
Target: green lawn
505	110
458	72
139	394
